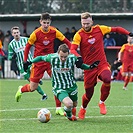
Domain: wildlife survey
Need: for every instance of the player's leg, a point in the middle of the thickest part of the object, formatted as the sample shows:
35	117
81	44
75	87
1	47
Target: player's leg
73	94
41	92
59	110
90	79
126	76
104	76
26	88
39	89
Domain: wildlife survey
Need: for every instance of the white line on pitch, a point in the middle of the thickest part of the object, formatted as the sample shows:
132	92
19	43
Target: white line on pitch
87	117
9	110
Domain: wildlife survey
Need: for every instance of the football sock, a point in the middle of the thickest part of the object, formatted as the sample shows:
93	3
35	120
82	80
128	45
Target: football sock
25	88
127	79
68	112
74	111
105	88
85	101
40	91
57	102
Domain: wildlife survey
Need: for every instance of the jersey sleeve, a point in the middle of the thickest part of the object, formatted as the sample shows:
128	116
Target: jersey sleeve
46	58
32	38
10	52
105	29
76	39
122	48
59	35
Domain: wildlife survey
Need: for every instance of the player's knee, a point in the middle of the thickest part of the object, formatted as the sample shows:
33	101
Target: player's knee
105	76
107	80
68	102
69	105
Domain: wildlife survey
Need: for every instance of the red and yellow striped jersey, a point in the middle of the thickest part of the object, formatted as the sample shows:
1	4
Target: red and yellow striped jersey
44	41
91	43
127	53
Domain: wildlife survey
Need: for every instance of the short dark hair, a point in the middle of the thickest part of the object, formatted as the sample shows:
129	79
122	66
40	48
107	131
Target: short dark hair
64	48
45	16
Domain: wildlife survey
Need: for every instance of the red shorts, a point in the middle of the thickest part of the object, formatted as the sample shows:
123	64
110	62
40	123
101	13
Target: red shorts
38	69
127	67
91	76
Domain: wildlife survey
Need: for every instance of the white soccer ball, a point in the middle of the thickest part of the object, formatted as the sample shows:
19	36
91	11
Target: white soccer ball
44	115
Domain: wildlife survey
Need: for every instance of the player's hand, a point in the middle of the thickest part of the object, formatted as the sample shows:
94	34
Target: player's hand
79	62
40	82
95	64
131	34
26	65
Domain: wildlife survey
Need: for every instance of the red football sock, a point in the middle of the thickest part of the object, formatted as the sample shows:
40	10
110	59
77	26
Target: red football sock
105	89
74	111
85	101
57	102
127	79
26	88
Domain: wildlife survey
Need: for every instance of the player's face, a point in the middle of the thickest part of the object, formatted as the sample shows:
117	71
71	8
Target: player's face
86	24
63	56
130	40
16	34
45	24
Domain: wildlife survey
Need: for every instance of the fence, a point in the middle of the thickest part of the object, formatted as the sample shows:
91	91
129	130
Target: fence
11	74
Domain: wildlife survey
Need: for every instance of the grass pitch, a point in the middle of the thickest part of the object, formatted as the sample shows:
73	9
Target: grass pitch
21	117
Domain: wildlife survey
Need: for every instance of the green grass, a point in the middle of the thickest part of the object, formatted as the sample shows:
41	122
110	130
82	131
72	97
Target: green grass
21	117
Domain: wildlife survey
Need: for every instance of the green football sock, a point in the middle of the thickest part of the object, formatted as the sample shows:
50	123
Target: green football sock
68	111
40	91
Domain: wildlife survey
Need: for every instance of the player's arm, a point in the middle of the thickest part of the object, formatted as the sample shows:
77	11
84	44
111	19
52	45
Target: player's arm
75	44
11	54
45	58
121	53
29	44
120	30
107	29
62	38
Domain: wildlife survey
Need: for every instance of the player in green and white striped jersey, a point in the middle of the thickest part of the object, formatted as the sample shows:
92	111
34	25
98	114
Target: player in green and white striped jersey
16	50
63	82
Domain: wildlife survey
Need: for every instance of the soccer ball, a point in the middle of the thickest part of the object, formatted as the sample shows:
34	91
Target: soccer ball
44	115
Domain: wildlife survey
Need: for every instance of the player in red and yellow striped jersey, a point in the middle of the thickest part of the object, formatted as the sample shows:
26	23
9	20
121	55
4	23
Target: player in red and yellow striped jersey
89	39
43	40
126	56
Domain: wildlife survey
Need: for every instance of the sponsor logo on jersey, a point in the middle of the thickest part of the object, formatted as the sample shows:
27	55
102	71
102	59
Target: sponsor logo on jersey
46	42
62	70
91	40
19	49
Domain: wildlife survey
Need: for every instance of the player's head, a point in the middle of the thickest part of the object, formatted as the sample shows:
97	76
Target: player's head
130	39
86	21
15	32
45	21
63	52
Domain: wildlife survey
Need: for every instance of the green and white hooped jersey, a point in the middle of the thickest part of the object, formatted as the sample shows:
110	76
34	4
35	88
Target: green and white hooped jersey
17	47
62	73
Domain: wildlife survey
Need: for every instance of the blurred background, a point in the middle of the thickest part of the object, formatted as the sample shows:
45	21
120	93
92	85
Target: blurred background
65	6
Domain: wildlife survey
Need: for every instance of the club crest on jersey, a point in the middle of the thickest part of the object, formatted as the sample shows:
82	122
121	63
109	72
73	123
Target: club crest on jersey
91	40
46	42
